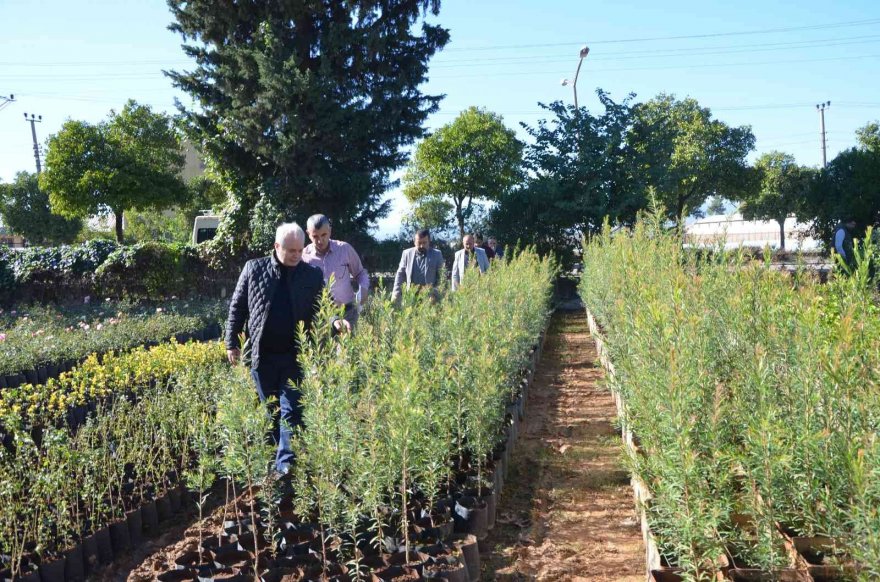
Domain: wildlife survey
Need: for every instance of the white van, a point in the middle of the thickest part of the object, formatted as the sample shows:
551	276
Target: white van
204	228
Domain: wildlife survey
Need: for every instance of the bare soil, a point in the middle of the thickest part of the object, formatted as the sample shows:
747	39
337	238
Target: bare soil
567	510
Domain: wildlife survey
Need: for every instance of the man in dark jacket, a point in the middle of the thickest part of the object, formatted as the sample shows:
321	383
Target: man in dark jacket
273	295
842	240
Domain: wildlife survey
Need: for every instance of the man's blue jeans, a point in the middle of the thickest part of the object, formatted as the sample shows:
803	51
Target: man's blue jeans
278	375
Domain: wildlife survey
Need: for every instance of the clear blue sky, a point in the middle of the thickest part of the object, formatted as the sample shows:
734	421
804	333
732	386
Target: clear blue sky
764	64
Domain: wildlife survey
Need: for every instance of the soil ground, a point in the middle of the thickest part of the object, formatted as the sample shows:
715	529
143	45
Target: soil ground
567	510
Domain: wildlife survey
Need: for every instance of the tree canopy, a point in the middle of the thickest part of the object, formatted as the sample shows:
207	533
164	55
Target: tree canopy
686	155
306	106
781	187
475	158
26	211
580	169
132	160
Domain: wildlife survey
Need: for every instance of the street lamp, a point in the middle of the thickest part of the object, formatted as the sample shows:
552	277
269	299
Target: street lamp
585	50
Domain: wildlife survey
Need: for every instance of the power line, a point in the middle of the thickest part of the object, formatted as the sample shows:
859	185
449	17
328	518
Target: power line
660	53
678	37
662	68
440	60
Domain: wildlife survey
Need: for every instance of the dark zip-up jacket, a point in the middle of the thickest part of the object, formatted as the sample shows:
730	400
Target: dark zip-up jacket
252	300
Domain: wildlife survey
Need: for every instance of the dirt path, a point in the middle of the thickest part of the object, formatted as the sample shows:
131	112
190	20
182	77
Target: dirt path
567	511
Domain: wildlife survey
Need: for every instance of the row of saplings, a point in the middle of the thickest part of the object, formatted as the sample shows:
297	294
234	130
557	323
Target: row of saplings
752	400
408	426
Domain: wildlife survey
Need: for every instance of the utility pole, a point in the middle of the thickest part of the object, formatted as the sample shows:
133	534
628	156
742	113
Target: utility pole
821	109
35	119
5	101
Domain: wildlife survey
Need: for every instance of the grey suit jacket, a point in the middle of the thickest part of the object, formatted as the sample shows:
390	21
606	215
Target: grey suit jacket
407	261
458	265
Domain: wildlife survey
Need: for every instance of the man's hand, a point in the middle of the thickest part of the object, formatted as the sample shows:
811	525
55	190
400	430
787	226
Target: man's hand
233	355
342	326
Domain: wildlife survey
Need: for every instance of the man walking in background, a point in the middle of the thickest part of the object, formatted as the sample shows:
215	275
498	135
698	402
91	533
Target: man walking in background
482	243
419	265
337	259
273	296
469	256
843	241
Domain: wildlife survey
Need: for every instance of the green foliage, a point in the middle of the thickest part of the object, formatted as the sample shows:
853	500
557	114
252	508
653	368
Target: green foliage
716	205
25	210
868	136
303	127
687	156
783	187
42	335
151	269
581	172
475	158
848	188
174	225
131	160
751	394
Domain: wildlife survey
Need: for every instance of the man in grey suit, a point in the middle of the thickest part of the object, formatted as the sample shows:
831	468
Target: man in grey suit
419	265
465	258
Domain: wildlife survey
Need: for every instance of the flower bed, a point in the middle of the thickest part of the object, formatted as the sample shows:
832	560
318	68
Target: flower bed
68	397
748	400
39	343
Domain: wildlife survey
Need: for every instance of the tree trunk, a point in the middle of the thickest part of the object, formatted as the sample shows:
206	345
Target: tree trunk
118	216
781	234
459	217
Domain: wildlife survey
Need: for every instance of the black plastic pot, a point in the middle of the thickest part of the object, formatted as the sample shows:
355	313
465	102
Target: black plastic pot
468	545
163	508
74	565
177	575
119	537
135	523
52	371
3	382
470	516
150	517
105	546
32	576
42	374
449	569
174	499
90	554
14	380
30	376
53	571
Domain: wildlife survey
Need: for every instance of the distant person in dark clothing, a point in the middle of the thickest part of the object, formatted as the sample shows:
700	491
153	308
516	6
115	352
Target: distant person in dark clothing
481	243
273	295
496	248
843	241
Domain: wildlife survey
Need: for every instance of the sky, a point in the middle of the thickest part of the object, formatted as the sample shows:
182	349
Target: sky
765	64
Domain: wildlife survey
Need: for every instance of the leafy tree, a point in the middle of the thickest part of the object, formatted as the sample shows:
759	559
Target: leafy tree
781	188
305	105
130	161
686	155
716	205
848	188
581	171
869	136
26	211
474	158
